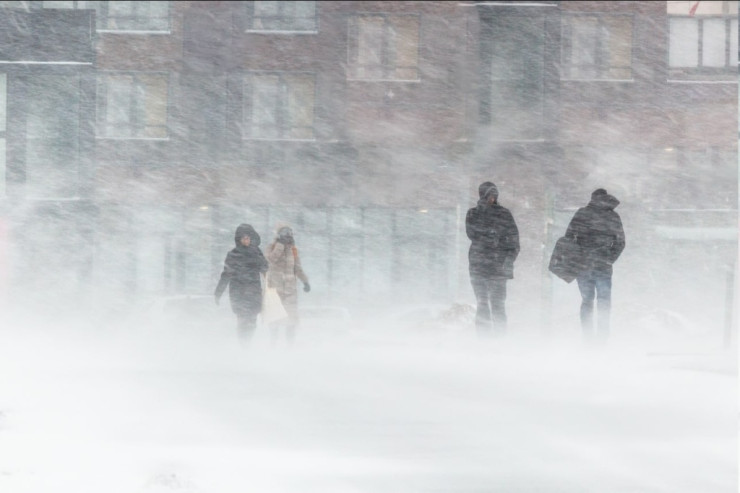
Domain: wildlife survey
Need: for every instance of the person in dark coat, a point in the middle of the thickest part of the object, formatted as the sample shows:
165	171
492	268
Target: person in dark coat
494	247
597	228
242	269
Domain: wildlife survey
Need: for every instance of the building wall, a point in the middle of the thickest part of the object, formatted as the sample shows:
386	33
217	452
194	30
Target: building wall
378	192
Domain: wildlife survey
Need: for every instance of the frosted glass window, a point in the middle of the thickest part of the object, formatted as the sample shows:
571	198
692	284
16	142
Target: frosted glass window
58	5
346	221
132	105
279	106
130	16
597	47
684	51
713	40
282	16
3	168
3	102
384	47
150	265
52	136
314	220
733	43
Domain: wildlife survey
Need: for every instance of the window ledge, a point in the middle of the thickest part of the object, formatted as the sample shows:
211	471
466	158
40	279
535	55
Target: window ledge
133	31
413	81
598	80
256	139
267	31
155	139
701	81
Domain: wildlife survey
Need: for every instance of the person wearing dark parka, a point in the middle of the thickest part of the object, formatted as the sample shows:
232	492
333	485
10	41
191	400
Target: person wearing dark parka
242	269
494	247
598	231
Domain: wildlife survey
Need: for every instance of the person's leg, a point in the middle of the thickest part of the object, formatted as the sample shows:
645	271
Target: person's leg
245	329
498	305
483	309
290	302
587	287
603	283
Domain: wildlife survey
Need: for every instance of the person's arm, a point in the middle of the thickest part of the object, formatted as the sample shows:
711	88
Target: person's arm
275	252
226	275
577	226
512	238
299	271
619	240
263	264
472	228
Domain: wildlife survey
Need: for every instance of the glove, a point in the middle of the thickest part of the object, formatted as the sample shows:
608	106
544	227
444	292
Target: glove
217	300
306	287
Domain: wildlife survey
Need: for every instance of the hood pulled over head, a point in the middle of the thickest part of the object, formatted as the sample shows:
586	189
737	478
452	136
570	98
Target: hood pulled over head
603	200
246	230
487	190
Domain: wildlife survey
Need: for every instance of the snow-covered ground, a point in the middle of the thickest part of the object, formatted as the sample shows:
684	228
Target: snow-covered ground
138	410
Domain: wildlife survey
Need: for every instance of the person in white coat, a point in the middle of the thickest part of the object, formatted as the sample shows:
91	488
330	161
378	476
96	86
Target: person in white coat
283	275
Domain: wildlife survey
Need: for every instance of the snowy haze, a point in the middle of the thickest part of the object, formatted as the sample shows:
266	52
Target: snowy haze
132	380
160	410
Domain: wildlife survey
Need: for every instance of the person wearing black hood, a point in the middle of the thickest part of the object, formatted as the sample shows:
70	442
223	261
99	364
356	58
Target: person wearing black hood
598	231
494	247
242	269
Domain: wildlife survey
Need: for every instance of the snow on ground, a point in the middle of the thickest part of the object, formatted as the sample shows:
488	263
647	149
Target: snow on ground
137	410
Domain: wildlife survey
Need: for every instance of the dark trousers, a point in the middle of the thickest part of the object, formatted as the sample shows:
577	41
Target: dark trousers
245	327
490	316
595	285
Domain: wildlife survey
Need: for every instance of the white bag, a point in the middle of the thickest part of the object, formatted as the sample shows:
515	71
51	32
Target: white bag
272	307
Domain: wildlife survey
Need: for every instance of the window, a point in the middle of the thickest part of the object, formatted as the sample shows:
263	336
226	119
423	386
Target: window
121	15
3	128
52	135
279	106
703	40
281	16
132	105
515	101
597	47
384	47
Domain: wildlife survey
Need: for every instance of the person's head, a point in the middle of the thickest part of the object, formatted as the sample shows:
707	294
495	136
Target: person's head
602	199
246	235
285	234
483	188
488	192
599	192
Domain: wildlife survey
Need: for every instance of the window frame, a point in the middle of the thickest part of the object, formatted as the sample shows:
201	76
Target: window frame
250	18
352	45
101	123
602	54
699	73
247	106
101	9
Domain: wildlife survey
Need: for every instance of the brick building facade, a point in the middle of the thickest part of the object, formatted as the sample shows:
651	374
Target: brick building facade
139	134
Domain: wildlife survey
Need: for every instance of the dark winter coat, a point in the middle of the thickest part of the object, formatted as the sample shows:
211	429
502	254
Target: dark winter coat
494	241
242	269
597	229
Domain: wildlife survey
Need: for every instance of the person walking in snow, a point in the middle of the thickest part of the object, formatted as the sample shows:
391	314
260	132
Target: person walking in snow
285	270
493	249
242	269
598	231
